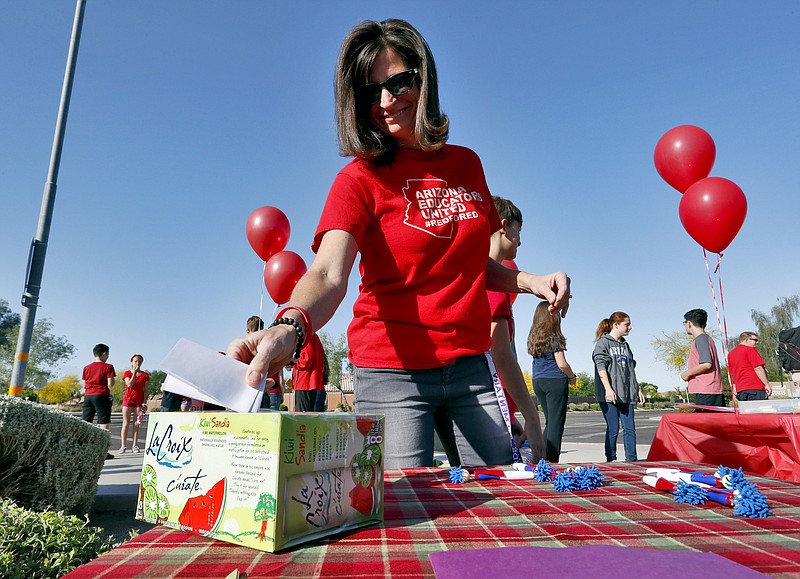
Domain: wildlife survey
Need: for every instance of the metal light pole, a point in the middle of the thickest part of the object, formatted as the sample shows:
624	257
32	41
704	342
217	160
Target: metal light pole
33	278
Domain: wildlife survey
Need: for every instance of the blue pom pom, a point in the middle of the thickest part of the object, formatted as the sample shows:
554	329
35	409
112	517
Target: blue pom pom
690	493
749	502
457	475
564	482
543	471
588	478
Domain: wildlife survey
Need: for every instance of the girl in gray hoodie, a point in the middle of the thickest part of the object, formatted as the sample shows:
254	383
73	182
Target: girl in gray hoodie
615	384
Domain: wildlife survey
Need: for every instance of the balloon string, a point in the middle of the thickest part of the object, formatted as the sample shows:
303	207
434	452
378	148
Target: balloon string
722	323
261	301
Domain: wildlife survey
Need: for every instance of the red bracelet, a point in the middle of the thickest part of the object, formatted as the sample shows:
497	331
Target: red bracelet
304	315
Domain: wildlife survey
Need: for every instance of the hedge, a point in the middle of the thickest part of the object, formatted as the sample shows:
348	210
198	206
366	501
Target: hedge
49	460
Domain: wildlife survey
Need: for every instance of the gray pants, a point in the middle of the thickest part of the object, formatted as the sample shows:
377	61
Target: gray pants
457	400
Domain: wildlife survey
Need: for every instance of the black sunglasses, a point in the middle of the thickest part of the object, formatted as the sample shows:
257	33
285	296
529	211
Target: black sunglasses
397	85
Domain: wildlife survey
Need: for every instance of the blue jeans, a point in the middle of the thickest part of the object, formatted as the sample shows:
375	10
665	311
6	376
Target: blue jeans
457	400
275	400
613	414
320	404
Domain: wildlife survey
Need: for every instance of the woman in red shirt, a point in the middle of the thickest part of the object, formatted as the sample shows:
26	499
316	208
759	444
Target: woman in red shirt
133	401
420	214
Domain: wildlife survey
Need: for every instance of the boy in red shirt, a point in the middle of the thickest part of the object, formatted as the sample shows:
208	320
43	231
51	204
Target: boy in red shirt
98	377
504	243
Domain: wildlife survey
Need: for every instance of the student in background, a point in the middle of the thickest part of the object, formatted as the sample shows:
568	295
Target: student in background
615	384
703	375
552	375
136	381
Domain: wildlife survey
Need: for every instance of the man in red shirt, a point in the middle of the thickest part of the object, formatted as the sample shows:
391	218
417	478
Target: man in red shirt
747	369
98	377
307	375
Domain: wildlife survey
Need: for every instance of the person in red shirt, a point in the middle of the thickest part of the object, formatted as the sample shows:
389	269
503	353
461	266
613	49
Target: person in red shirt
504	244
420	214
98	378
307	375
747	369
136	382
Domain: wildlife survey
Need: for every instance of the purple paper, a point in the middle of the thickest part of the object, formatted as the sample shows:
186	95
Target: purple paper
596	561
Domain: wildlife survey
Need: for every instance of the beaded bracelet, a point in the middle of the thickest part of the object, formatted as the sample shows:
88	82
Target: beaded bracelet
297	328
303	314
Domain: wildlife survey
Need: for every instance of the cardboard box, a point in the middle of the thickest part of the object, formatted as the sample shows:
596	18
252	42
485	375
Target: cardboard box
265	480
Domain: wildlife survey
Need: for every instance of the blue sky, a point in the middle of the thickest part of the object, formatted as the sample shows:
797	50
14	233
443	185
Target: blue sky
187	115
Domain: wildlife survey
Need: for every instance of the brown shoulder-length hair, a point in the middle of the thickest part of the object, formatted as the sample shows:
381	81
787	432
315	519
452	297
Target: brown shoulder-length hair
607	324
545	335
358	137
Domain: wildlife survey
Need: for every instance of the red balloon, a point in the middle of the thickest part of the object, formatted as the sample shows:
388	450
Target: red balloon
281	273
712	211
684	155
511	264
267	231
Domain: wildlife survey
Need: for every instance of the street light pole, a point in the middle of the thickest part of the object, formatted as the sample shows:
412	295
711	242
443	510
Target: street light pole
33	277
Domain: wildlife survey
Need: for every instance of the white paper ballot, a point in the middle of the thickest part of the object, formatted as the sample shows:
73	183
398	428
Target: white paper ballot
199	372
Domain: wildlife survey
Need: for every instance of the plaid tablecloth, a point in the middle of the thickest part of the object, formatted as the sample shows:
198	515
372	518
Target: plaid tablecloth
425	513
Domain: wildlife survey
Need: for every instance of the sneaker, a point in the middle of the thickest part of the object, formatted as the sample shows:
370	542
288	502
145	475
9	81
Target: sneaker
109	456
135	449
122	450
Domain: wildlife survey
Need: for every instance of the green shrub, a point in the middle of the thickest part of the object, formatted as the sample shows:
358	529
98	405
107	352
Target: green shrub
49	460
46	544
572	407
594	406
583	406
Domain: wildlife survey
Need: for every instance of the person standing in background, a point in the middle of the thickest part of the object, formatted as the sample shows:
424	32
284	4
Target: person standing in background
552	375
98	378
747	369
615	384
307	375
703	374
136	382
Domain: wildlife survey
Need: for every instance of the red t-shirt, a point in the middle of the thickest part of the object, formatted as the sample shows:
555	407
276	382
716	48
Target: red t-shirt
307	372
134	394
500	307
422	225
742	364
95	378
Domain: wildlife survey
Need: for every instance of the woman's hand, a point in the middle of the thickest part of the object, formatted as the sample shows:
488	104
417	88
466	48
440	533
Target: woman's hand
611	397
266	351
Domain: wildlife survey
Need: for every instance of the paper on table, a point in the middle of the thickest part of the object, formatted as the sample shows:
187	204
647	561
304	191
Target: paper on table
202	373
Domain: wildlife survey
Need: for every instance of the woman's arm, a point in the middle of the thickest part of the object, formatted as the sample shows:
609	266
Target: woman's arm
319	292
563	365
553	287
514	381
611	396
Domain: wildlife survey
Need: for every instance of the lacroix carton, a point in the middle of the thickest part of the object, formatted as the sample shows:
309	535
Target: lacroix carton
266	480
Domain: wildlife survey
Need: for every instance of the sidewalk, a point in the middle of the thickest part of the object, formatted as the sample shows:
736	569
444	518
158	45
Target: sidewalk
118	486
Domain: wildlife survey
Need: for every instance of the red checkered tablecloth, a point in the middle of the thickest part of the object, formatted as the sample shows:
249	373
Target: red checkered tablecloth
425	513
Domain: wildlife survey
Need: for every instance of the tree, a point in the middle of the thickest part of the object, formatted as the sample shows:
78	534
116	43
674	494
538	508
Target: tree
48	351
672	350
58	391
584	385
649	390
157	378
336	350
781	317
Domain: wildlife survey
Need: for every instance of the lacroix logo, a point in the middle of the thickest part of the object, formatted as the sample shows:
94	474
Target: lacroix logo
433	207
